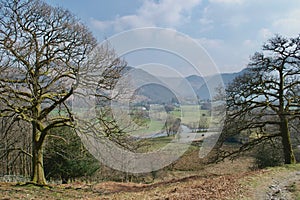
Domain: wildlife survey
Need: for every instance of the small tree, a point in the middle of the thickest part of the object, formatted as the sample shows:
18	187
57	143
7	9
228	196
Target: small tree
172	125
264	100
65	156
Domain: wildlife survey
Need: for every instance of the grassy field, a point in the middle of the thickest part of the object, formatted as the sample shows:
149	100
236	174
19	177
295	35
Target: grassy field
149	128
153	144
189	114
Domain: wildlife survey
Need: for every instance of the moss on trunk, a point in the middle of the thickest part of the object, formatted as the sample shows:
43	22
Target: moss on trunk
289	157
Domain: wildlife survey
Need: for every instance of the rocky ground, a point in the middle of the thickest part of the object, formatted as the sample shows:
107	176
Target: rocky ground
277	184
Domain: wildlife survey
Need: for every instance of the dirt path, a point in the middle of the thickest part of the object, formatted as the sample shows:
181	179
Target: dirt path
282	187
274	185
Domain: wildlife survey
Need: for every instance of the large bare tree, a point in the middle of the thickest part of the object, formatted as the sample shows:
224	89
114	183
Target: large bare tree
42	51
264	101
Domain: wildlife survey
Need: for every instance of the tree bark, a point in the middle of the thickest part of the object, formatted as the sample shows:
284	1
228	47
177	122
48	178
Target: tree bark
38	175
289	157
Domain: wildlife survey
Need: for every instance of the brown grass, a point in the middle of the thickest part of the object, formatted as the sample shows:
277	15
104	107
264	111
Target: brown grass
218	181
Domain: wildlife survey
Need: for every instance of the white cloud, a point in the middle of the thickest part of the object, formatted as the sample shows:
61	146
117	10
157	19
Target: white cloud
265	33
205	21
249	43
122	23
165	13
289	24
228	14
228	1
236	20
211	44
229	56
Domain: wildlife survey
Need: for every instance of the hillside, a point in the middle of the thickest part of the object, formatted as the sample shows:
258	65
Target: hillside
274	183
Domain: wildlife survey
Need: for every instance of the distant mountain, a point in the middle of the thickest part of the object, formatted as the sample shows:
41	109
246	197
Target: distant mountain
166	89
156	93
207	89
149	87
195	81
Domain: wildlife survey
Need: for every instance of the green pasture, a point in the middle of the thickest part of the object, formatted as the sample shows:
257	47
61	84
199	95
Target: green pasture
190	114
151	127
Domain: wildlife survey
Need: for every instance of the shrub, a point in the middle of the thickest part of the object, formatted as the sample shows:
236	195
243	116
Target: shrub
65	156
268	154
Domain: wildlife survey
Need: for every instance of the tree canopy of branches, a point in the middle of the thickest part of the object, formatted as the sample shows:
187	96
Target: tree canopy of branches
264	101
42	51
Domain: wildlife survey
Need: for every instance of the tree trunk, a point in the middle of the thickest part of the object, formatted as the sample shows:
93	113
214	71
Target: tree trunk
64	180
289	157
38	176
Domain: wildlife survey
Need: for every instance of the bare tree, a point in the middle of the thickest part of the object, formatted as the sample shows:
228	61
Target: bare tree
264	101
43	50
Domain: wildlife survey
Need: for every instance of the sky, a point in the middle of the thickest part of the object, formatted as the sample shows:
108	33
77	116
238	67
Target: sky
230	31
